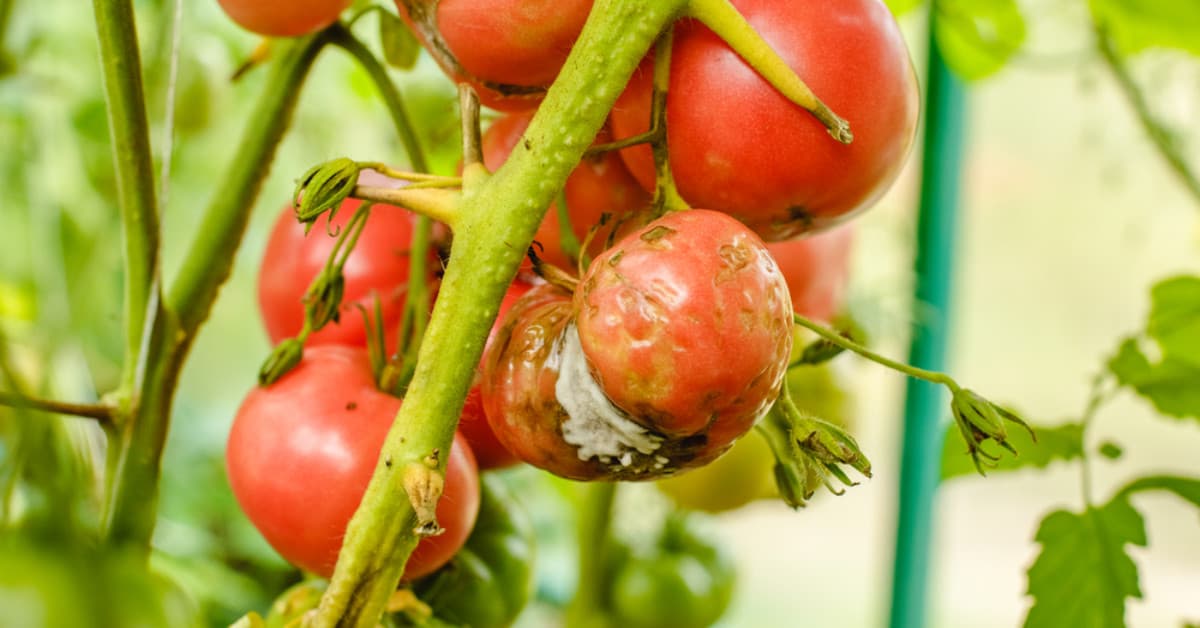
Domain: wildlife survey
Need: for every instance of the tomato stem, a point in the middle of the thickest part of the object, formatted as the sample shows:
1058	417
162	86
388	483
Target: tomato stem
437	203
666	195
99	411
496	223
727	23
593	521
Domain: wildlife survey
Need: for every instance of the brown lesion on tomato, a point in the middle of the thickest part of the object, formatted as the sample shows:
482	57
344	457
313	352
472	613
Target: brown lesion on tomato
651	236
735	256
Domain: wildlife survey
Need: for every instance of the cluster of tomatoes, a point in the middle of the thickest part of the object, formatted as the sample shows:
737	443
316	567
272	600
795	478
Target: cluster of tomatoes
669	345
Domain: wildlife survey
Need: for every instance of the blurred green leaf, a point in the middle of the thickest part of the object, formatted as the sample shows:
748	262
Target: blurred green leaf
1083	574
978	37
1171	384
400	46
900	7
1111	450
1062	442
1137	25
1175	316
1187	489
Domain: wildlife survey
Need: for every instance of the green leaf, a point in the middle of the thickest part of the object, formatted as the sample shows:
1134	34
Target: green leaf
1175	315
1187	489
400	47
1062	442
978	37
1083	574
1137	25
1171	385
1111	450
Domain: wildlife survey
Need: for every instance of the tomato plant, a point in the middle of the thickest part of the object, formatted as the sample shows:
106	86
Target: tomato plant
301	451
738	146
377	269
281	18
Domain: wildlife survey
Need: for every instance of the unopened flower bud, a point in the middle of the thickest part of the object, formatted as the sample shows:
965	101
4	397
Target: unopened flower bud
283	358
323	300
323	188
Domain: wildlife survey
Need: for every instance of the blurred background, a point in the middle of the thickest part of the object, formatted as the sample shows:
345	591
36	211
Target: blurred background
1068	214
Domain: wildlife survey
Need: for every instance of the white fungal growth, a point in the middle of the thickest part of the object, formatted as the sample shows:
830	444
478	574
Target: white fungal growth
595	426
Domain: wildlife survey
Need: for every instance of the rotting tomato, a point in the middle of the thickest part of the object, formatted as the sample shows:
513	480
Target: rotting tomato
377	268
490	453
284	18
737	145
302	450
599	185
674	343
521	43
817	270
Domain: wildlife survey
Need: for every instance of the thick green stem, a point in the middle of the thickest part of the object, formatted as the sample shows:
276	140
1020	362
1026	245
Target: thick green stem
594	513
1158	132
498	220
135	451
121	68
210	258
729	25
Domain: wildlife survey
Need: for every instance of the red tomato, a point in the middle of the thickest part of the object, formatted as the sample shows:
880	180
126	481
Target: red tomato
512	42
284	18
489	451
377	267
599	185
302	451
817	269
738	146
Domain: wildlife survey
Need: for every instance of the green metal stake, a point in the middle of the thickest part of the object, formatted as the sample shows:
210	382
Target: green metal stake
924	404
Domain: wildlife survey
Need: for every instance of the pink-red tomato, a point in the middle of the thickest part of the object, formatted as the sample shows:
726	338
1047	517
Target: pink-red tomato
738	146
599	185
302	450
489	451
506	42
284	18
377	268
817	270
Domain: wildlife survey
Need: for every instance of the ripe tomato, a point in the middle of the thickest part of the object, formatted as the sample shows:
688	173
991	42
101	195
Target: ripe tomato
599	185
673	345
687	322
489	451
302	451
284	18
817	270
738	146
378	267
513	42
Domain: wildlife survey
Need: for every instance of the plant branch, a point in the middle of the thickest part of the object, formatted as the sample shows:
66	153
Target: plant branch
594	520
666	195
121	68
436	203
209	260
98	411
498	220
1096	399
837	339
1158	132
727	23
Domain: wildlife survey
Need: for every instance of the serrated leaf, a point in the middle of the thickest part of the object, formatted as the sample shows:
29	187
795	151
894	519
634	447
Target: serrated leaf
1062	442
1083	575
1137	25
1175	316
1187	489
978	37
1171	384
400	46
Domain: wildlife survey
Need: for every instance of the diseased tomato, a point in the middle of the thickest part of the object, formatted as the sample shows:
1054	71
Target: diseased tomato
738	146
672	346
378	267
301	453
284	18
510	42
599	185
741	475
489	452
817	270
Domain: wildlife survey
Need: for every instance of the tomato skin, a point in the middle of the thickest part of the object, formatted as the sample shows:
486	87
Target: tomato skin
687	323
379	265
284	18
599	185
301	453
506	42
817	270
738	146
490	453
